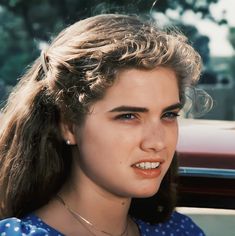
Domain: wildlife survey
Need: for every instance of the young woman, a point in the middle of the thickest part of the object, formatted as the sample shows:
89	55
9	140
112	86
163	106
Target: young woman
88	136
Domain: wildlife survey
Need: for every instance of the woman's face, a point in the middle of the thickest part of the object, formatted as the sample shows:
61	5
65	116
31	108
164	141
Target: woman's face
129	138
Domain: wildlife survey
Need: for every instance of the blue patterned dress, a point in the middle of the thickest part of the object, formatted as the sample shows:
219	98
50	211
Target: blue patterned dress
177	225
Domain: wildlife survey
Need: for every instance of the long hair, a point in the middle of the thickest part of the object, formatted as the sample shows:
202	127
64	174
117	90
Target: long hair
79	66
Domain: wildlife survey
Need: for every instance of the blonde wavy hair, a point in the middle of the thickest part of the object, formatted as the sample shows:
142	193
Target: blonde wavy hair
75	71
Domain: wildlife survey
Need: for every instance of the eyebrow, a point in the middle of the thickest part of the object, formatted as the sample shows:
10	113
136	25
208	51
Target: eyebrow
174	107
129	109
143	109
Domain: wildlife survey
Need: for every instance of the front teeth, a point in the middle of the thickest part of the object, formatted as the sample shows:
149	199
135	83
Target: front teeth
147	165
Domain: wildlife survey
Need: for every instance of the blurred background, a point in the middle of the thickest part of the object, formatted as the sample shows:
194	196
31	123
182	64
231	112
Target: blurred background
27	26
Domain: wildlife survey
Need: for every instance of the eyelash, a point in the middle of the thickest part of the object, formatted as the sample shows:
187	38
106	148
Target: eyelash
170	116
126	116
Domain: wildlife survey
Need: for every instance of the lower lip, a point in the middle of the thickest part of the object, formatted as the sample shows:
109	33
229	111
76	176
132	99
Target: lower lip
148	173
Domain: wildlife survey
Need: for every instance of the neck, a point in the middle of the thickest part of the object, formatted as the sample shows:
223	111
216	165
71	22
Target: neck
101	208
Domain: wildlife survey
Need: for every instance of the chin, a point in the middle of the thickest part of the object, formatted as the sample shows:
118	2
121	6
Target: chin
146	192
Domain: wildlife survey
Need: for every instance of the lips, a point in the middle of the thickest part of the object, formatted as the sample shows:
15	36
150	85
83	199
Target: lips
148	168
147	165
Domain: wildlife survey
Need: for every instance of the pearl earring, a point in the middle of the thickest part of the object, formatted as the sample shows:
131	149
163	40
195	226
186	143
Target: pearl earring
68	142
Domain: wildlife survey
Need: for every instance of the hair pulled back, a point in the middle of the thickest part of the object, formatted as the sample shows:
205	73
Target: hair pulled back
77	68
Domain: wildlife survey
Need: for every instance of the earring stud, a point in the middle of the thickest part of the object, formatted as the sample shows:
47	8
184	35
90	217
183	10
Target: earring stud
68	142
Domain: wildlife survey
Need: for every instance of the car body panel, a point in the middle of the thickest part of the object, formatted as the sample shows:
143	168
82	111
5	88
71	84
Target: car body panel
206	143
206	157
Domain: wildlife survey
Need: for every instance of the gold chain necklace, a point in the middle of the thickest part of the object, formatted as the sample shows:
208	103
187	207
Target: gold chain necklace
84	221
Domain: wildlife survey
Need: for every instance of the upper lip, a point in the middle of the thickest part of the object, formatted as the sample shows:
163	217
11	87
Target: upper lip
161	160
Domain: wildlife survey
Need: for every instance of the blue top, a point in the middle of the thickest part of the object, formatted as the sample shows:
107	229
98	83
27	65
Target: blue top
177	225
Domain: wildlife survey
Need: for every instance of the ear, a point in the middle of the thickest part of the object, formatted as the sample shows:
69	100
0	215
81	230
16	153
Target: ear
68	133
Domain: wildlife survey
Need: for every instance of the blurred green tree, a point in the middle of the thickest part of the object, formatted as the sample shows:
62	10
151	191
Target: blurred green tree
232	41
25	24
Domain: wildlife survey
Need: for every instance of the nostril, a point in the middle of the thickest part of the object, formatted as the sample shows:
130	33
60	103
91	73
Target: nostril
153	138
155	145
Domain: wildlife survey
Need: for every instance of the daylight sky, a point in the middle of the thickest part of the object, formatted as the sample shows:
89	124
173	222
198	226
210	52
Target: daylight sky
218	34
219	44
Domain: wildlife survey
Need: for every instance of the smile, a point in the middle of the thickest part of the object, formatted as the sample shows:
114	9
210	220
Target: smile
147	165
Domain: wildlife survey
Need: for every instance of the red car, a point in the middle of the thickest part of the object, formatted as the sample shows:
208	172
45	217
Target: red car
206	155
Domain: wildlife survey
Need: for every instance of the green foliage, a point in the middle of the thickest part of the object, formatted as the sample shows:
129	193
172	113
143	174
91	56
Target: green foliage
17	48
232	36
232	41
26	23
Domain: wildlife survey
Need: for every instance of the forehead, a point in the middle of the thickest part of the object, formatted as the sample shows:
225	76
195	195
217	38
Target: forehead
159	75
161	82
135	87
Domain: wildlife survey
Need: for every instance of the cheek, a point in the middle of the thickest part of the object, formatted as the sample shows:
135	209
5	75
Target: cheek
172	137
110	136
100	144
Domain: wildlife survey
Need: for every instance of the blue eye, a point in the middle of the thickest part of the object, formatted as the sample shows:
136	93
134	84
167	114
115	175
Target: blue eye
127	116
171	116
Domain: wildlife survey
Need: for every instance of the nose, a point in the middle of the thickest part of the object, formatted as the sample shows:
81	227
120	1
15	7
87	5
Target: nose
153	138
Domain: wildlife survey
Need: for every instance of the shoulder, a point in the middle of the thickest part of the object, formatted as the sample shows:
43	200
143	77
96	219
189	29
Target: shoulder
15	227
28	226
178	224
185	223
